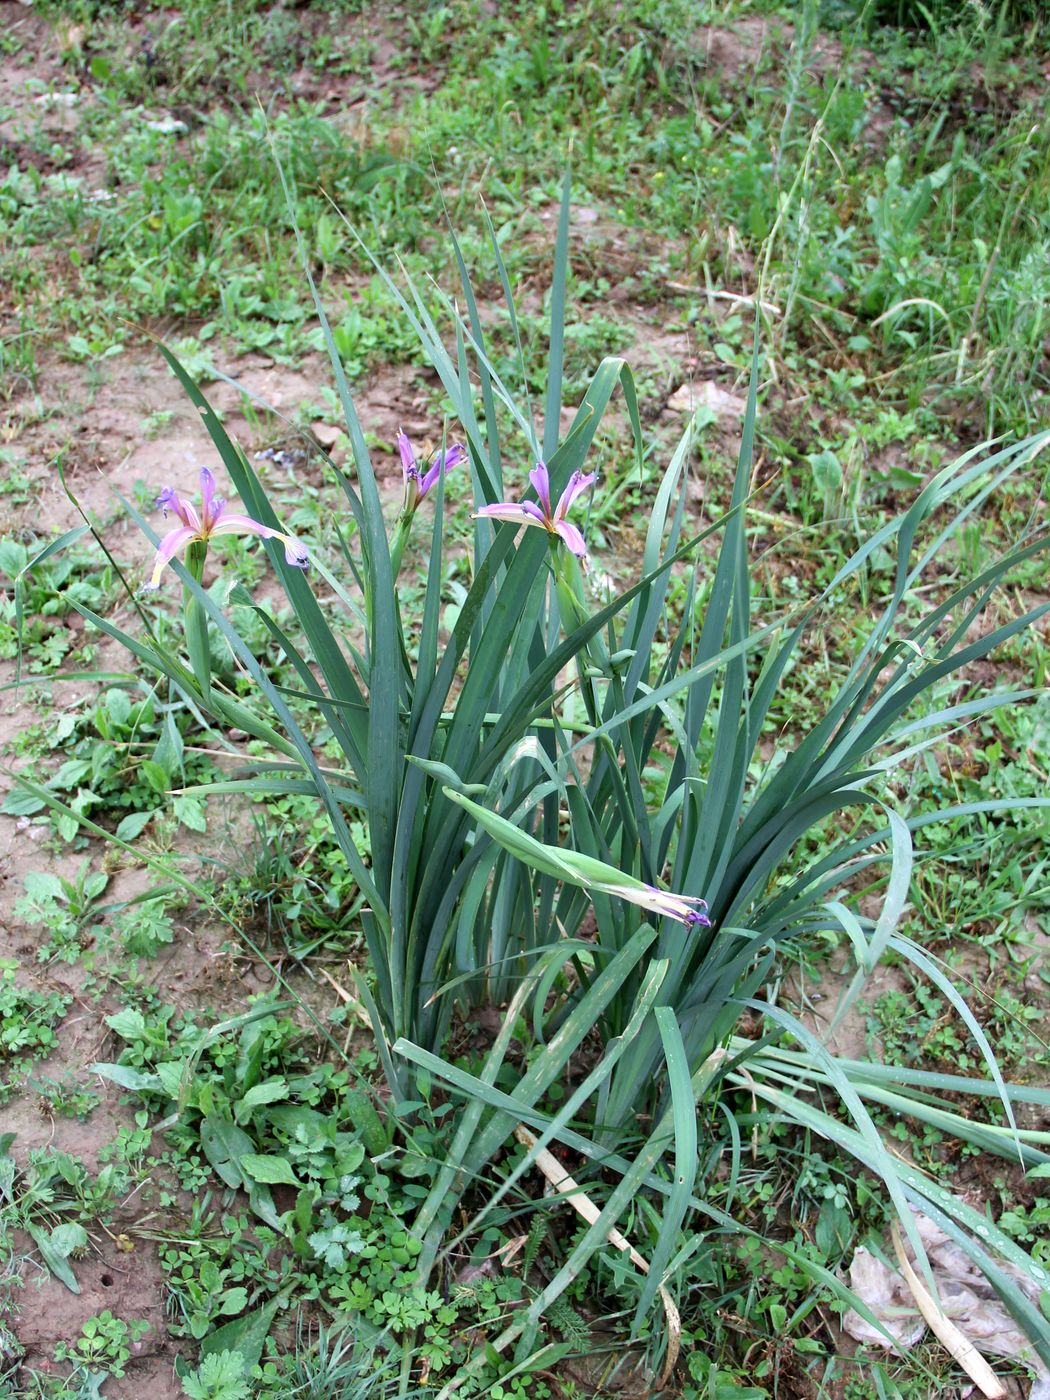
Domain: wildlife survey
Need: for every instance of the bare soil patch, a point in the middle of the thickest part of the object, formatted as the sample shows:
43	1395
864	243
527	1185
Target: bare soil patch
103	429
123	1276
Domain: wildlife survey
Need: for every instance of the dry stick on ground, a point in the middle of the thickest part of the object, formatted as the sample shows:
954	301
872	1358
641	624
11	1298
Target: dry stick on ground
574	1193
734	297
956	1343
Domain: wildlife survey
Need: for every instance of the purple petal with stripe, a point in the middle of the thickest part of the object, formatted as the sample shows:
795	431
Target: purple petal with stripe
444	461
295	553
169	546
233	524
514	513
578	484
184	509
571	537
408	456
541	484
211	505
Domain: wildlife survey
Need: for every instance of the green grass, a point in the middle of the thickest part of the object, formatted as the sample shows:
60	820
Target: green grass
908	260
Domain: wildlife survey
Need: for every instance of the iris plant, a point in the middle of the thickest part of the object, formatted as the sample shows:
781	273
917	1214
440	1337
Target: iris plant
213	519
451	922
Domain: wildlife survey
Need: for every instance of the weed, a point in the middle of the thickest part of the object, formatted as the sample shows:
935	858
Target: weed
123	756
51	592
298	888
28	1025
62	908
104	1344
64	1097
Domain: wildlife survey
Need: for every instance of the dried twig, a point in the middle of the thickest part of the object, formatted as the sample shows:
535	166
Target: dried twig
574	1193
733	297
956	1343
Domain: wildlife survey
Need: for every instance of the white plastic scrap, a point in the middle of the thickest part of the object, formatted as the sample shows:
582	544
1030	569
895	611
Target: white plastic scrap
889	1299
965	1295
167	126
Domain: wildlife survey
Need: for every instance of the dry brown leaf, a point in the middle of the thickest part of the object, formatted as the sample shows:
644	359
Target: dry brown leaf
957	1344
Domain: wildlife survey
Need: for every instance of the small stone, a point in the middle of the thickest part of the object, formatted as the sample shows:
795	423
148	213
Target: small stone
327	434
706	394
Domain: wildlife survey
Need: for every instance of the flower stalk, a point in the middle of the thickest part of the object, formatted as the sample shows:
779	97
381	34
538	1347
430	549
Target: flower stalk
197	642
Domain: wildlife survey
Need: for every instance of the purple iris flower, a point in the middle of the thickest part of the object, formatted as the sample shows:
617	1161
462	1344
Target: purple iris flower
687	909
699	917
418	483
551	520
214	519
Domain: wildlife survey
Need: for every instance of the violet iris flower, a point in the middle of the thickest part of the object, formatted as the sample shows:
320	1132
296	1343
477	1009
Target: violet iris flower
214	519
551	520
418	483
687	909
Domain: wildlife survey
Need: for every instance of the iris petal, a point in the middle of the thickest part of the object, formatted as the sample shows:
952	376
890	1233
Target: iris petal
541	484
685	908
408	456
444	461
514	513
169	546
210	506
231	523
578	484
295	552
571	537
184	509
